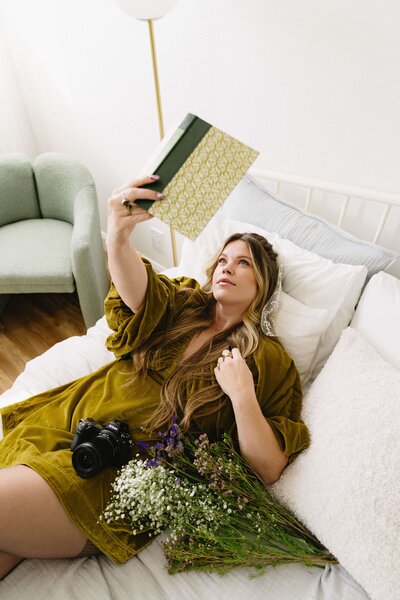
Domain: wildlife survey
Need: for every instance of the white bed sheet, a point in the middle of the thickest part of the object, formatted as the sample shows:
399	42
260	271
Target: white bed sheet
145	576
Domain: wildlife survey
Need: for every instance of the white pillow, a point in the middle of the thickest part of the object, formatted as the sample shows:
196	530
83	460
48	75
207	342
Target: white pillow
377	317
299	329
346	486
312	280
320	283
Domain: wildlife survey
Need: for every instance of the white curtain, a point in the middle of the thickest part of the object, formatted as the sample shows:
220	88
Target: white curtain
16	134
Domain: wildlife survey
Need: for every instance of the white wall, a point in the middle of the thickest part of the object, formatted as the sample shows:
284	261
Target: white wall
16	133
313	84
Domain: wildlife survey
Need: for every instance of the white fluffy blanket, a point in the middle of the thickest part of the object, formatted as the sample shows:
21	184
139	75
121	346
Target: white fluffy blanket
346	486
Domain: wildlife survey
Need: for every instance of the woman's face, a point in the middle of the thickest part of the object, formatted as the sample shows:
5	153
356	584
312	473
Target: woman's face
234	282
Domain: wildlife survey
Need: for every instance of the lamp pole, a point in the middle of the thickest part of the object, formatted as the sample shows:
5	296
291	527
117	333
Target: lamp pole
160	119
156	79
148	10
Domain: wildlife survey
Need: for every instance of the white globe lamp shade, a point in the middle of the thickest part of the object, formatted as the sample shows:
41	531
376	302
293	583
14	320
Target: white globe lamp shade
146	9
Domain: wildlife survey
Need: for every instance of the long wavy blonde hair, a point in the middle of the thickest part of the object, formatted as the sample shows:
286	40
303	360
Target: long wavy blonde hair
207	400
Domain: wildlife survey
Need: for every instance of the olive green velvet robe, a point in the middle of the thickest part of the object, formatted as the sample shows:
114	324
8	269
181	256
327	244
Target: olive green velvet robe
38	431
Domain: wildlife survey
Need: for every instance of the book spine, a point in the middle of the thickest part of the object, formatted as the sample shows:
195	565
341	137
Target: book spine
194	131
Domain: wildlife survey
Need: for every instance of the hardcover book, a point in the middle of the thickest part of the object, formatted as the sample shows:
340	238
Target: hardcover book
199	165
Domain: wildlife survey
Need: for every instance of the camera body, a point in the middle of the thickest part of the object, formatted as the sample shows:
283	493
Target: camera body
95	446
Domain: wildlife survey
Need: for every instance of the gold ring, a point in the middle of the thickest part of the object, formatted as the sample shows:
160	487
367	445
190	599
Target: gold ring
127	203
226	353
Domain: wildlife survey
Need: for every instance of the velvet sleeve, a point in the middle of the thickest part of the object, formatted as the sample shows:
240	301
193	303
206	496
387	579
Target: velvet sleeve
131	329
278	390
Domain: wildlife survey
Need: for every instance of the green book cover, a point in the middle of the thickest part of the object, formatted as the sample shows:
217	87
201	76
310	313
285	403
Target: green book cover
199	165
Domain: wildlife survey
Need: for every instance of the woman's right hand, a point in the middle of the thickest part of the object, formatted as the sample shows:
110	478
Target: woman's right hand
123	218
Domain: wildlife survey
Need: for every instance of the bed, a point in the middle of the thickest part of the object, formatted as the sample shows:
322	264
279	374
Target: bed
340	320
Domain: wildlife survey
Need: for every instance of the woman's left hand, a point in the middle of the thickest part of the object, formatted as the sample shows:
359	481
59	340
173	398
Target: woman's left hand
234	376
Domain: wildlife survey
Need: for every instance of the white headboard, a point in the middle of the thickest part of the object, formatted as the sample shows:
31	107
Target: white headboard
368	214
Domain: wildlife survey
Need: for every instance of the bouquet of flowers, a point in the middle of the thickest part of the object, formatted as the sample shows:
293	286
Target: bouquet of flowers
218	513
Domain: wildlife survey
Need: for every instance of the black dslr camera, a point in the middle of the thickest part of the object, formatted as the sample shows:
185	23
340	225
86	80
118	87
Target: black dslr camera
96	447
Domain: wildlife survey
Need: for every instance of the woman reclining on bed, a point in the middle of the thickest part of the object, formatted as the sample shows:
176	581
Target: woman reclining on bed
182	351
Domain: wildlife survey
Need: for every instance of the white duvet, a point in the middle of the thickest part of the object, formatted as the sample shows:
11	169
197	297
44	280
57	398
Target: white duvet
145	576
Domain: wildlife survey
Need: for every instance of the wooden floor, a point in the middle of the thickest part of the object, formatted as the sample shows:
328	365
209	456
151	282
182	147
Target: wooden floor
32	323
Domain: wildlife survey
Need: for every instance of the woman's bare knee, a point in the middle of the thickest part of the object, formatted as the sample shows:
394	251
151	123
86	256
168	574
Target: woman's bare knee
33	522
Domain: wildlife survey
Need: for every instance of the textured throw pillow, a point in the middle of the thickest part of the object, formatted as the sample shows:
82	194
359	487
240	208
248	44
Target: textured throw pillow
346	486
252	202
377	317
314	281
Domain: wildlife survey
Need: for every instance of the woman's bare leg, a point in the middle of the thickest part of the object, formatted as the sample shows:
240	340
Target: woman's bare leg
8	562
33	522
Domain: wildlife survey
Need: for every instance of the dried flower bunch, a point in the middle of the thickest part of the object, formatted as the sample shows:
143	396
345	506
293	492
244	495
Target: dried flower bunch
218	513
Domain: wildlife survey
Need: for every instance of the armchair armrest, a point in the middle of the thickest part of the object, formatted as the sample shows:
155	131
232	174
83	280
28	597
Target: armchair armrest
88	256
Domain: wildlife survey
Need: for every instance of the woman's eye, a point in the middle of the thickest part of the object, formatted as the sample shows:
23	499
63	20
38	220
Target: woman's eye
221	260
243	261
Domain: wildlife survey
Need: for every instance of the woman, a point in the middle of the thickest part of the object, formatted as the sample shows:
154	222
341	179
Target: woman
182	351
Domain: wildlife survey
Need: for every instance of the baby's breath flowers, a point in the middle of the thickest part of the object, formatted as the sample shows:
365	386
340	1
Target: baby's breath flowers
218	513
155	498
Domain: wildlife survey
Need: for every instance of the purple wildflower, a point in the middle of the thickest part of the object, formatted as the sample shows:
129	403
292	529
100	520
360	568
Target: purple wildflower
143	445
153	462
174	431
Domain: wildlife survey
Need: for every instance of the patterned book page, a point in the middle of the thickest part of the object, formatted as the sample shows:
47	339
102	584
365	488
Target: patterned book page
203	182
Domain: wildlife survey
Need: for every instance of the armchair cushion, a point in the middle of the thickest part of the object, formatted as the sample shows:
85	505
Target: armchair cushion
28	265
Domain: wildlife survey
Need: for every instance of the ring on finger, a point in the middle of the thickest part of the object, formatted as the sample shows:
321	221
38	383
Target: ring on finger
127	203
226	354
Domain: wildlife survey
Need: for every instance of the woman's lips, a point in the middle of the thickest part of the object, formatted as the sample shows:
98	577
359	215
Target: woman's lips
225	282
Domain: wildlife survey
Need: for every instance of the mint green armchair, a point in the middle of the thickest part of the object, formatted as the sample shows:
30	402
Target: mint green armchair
50	239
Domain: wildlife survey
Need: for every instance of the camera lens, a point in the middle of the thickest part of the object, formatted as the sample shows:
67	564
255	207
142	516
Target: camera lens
89	459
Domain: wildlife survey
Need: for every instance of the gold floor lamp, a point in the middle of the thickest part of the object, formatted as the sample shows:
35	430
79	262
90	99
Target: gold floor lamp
150	10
